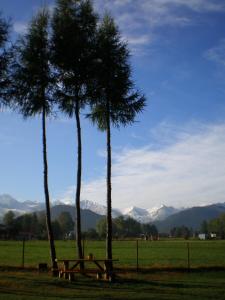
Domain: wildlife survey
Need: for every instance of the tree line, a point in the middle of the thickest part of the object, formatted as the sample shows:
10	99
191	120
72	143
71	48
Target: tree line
32	226
67	61
216	225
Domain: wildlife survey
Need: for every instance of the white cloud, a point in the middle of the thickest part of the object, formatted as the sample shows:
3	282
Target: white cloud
139	40
186	170
143	17
195	5
20	27
217	53
68	197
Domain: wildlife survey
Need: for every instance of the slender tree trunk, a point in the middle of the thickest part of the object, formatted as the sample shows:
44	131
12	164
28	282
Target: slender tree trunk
109	190
47	201
78	188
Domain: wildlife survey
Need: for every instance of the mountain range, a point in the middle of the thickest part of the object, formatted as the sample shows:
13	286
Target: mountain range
164	217
140	214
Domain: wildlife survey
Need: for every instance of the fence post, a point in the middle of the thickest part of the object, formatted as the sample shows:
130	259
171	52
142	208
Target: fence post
188	256
23	252
83	247
137	255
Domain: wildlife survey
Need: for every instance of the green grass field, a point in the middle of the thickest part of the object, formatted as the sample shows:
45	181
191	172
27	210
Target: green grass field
149	283
151	254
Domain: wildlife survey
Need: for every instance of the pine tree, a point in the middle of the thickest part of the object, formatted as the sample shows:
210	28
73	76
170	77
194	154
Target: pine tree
115	102
73	27
31	89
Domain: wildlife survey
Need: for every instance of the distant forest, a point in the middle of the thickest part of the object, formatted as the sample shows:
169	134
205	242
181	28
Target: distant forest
33	226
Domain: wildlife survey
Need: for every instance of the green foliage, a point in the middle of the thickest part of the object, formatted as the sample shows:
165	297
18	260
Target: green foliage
204	227
126	227
101	228
57	230
72	47
31	90
217	226
113	99
149	230
4	31
91	234
32	81
9	218
181	232
34	226
4	61
113	91
66	222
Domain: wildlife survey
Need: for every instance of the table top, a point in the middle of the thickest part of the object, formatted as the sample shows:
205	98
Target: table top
85	259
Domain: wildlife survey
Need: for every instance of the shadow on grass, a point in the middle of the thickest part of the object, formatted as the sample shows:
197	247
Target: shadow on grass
161	285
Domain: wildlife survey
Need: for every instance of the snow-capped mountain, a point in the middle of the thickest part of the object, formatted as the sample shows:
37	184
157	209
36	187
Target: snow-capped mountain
9	203
162	212
149	215
140	214
98	208
93	206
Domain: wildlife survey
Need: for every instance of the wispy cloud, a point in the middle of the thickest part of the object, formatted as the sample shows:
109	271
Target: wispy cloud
145	16
217	53
187	169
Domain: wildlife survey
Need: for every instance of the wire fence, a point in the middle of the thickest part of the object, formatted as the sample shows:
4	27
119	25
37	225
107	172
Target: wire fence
136	254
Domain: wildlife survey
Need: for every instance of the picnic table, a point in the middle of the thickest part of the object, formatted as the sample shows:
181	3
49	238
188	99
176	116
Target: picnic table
102	267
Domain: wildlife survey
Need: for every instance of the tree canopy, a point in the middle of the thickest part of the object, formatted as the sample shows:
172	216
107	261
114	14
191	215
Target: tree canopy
4	61
32	85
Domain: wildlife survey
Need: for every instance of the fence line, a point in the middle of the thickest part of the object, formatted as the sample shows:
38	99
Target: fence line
134	253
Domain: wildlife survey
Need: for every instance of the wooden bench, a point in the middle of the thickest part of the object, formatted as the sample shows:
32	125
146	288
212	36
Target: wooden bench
103	268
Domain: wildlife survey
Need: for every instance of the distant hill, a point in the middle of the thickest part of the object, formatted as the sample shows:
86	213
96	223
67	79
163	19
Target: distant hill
7	203
192	217
89	219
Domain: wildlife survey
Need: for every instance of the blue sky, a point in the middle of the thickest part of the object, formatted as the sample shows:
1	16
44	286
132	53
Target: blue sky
174	154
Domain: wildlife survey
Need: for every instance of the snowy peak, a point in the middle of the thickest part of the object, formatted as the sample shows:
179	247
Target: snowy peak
162	212
97	208
149	215
137	213
9	203
93	206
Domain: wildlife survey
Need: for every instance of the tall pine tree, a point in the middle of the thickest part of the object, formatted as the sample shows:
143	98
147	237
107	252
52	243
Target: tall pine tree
115	102
73	27
31	89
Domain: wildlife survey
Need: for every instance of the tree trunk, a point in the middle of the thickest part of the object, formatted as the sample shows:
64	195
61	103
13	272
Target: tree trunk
109	189
78	188
47	201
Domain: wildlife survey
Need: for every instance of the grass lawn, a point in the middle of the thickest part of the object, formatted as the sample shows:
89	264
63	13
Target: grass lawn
23	285
151	254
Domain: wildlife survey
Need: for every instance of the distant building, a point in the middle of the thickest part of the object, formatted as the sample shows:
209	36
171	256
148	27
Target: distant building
202	236
213	235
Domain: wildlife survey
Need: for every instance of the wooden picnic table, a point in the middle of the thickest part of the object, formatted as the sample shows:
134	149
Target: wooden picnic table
103	267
